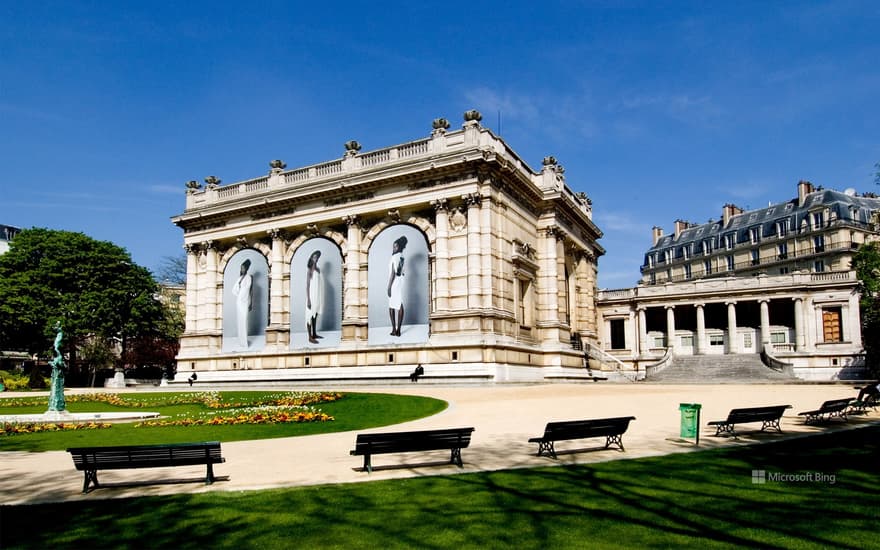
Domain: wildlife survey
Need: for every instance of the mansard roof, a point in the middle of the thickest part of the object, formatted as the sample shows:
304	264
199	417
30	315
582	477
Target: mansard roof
840	205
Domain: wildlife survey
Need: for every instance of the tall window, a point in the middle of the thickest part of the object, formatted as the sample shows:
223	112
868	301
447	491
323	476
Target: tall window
729	263
564	298
818	219
755	257
783	251
687	271
729	241
618	334
707	267
781	228
523	310
819	266
755	235
819	243
831	324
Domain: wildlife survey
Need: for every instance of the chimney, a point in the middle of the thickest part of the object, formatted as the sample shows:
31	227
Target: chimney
657	232
680	225
729	211
804	189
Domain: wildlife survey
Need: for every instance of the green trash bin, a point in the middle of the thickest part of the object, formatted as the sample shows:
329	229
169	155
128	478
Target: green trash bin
690	419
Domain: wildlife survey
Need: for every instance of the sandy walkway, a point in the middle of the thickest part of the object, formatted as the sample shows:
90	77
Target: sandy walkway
505	417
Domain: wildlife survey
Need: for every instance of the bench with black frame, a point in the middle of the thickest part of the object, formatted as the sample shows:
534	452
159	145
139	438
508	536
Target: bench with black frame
453	439
861	407
769	417
612	429
91	459
832	408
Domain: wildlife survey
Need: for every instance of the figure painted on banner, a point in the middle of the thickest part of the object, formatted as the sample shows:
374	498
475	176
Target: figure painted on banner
396	278
243	292
314	296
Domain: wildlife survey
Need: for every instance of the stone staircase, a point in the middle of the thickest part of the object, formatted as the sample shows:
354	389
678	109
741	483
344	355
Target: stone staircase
718	369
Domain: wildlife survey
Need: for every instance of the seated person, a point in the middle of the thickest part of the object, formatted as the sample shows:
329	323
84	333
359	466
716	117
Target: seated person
414	376
870	390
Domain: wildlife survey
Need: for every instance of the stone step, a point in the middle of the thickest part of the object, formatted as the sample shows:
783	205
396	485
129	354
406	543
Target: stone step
744	368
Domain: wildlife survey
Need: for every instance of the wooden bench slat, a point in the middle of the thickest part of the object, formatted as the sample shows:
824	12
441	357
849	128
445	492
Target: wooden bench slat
91	459
610	428
453	439
769	416
831	408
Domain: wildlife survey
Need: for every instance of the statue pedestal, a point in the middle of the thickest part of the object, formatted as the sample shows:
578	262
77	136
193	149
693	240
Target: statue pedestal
58	416
118	380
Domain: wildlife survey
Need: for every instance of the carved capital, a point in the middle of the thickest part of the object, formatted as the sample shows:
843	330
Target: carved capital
275	233
312	230
472	199
351	220
553	231
394	214
440	205
191	248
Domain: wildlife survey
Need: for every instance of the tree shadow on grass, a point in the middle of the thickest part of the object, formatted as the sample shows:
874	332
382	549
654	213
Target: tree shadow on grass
706	499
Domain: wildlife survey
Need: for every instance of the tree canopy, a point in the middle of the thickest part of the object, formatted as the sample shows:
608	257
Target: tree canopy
92	287
866	263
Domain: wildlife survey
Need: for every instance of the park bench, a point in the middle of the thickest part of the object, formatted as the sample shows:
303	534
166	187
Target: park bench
453	439
832	408
861	407
611	429
769	417
91	459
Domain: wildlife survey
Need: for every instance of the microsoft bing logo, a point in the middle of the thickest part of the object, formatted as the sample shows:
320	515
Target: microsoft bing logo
760	477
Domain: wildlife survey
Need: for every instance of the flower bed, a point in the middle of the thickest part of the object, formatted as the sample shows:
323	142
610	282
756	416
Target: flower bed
269	409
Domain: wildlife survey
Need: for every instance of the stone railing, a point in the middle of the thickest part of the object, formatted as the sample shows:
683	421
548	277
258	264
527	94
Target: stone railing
470	138
701	287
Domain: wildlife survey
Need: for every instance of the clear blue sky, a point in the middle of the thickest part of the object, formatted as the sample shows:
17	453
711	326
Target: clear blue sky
657	110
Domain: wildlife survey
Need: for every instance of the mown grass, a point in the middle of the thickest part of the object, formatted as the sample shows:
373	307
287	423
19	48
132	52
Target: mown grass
703	499
355	411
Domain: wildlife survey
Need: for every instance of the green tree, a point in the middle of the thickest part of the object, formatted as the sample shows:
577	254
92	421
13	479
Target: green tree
92	287
866	263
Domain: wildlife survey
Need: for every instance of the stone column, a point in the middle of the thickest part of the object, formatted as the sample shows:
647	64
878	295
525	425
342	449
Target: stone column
212	320
486	251
799	339
643	332
852	328
351	313
670	328
549	282
732	341
765	322
441	253
276	281
474	254
192	286
812	327
701	344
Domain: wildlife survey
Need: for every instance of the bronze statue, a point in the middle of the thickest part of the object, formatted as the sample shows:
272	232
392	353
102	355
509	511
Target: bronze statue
56	394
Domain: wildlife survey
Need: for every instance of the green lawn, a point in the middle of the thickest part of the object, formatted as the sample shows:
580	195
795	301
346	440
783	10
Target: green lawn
703	499
355	411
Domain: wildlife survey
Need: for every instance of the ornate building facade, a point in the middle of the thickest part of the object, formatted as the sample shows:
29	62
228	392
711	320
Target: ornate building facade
447	251
774	281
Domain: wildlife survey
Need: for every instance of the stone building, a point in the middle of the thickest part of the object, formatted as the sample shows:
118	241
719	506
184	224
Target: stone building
7	232
447	251
774	282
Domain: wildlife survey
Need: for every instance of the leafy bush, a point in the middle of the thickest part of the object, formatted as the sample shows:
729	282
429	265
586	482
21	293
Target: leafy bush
15	382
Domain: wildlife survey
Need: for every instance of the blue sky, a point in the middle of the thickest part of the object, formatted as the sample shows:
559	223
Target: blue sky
657	110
